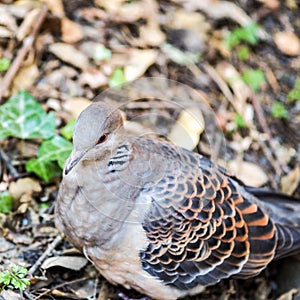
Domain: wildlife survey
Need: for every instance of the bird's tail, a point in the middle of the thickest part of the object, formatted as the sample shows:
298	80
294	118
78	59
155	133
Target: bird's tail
284	210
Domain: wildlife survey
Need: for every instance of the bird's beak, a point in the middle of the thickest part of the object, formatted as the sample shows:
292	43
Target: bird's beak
74	158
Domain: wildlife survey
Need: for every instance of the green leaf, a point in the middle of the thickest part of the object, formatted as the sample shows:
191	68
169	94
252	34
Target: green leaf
67	131
117	78
44	169
5	277
50	153
294	94
178	56
6	202
254	78
248	34
4	64
23	117
102	53
239	121
243	53
279	110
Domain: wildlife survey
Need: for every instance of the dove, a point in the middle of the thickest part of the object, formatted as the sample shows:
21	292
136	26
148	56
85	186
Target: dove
163	220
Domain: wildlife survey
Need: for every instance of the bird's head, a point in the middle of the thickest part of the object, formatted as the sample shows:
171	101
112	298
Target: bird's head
95	134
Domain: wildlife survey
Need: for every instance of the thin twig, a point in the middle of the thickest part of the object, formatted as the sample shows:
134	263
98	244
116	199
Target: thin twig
276	163
61	285
27	44
12	170
28	295
213	74
50	248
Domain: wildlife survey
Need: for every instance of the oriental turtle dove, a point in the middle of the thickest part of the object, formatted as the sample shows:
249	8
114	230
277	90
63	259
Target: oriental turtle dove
161	219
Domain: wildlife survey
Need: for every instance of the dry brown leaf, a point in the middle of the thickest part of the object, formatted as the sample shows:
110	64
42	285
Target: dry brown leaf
194	21
75	106
7	19
222	9
93	78
187	129
287	42
22	186
27	24
10	295
71	32
139	62
290	182
273	4
70	54
56	7
27	149
151	35
132	11
288	295
110	6
5	33
25	202
70	262
248	172
25	78
5	245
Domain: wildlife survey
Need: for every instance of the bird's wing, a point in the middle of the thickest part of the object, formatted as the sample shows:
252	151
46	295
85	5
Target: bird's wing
201	229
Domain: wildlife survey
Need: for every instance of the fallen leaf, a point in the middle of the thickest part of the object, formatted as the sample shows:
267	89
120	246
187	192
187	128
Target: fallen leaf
187	129
290	182
70	54
7	19
27	24
5	245
288	295
287	42
56	7
71	32
25	78
139	62
273	4
75	106
93	78
151	35
10	295
70	262
194	21
5	33
248	172
22	186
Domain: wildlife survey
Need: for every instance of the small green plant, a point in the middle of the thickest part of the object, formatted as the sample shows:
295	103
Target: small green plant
278	110
239	121
14	277
294	94
4	64
248	34
23	117
6	202
117	78
254	78
101	53
243	53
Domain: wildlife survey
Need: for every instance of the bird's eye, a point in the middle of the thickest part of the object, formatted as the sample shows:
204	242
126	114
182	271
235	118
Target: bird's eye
102	138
